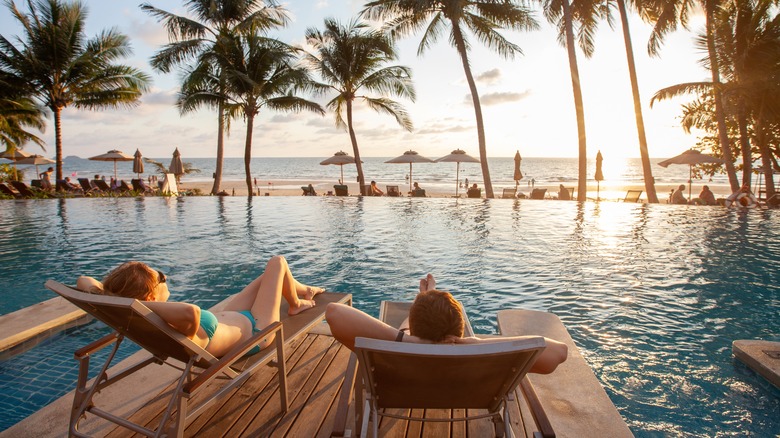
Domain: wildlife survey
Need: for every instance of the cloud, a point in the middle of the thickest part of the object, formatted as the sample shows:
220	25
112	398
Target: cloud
488	99
160	97
444	129
490	77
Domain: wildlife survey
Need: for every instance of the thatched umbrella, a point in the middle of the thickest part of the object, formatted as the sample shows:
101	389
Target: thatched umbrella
14	155
340	158
457	156
518	174
35	160
410	157
691	157
112	155
176	167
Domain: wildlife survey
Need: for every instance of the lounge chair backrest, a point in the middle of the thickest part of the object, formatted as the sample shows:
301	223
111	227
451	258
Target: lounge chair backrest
632	196
124	187
341	190
7	191
169	186
393	191
101	185
508	193
23	189
137	186
538	193
85	185
134	320
307	191
36	183
474	376
419	193
474	193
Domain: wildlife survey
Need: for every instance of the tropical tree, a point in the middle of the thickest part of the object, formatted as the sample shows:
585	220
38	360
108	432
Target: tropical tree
190	37
255	72
483	18
18	113
61	67
350	59
674	12
647	14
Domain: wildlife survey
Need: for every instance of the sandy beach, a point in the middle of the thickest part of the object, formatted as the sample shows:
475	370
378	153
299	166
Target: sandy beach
606	192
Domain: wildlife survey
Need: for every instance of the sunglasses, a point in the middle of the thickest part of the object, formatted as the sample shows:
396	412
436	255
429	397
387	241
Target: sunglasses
161	278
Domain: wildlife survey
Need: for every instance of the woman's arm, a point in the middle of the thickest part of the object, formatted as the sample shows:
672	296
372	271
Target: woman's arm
347	323
183	317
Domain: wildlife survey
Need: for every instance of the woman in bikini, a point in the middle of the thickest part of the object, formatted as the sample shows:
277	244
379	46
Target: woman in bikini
435	317
248	311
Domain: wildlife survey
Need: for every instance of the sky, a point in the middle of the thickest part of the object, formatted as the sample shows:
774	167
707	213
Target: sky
527	101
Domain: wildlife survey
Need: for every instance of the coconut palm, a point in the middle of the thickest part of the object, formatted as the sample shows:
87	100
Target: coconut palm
676	12
18	112
191	37
254	72
350	59
583	13
483	18
62	67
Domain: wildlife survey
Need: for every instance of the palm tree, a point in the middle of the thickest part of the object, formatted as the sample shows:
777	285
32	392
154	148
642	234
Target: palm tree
189	38
564	15
482	17
255	72
349	59
18	112
62	67
672	12
647	171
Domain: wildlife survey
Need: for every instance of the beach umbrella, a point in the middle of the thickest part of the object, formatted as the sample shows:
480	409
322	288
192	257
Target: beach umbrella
138	163
112	155
14	155
35	160
457	156
518	174
410	157
599	175
340	158
176	167
691	158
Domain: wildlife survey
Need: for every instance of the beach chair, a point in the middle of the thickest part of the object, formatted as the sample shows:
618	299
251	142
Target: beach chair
341	190
474	193
4	189
632	196
393	191
124	187
131	319
508	193
419	193
419	376
85	185
538	193
25	190
101	185
36	184
308	191
139	186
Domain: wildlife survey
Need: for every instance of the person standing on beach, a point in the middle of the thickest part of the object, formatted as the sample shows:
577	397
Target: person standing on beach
678	197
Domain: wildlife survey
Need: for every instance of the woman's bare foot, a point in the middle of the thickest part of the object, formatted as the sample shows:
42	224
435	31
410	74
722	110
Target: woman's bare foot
302	305
308	292
427	283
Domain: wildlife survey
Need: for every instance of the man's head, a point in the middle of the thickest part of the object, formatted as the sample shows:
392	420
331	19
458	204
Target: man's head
435	315
681	188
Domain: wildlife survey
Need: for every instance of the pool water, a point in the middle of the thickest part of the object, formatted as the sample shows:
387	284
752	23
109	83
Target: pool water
653	295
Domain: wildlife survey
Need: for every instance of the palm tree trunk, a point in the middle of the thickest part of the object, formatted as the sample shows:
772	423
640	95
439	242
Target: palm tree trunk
355	151
652	197
220	150
582	183
766	153
58	139
744	140
720	116
250	119
461	46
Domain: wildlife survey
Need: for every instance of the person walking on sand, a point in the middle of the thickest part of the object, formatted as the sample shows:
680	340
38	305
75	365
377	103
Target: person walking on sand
46	179
243	314
434	318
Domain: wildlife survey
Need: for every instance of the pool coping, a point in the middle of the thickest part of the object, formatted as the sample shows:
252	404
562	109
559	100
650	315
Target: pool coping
27	327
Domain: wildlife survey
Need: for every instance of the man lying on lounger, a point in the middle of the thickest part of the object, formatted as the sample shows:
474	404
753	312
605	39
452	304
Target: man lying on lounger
435	317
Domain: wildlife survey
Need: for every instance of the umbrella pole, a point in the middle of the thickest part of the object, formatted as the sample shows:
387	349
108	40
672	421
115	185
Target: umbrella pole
115	170
341	181
690	179
410	178
598	190
457	177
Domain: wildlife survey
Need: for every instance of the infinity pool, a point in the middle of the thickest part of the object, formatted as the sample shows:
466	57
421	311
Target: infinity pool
652	295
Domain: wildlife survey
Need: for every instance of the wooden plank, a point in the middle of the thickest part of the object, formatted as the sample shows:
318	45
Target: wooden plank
762	357
572	397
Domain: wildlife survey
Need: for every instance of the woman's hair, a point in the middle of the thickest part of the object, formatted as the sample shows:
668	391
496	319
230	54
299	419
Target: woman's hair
131	280
434	315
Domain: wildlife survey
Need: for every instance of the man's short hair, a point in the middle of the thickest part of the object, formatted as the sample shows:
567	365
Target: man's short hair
434	315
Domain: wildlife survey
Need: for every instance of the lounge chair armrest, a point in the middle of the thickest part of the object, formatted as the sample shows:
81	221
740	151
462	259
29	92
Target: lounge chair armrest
96	345
537	410
236	353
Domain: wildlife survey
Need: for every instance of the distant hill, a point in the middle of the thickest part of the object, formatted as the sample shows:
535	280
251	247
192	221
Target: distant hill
72	157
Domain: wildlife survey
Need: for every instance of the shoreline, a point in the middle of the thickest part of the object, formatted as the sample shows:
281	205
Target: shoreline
606	192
